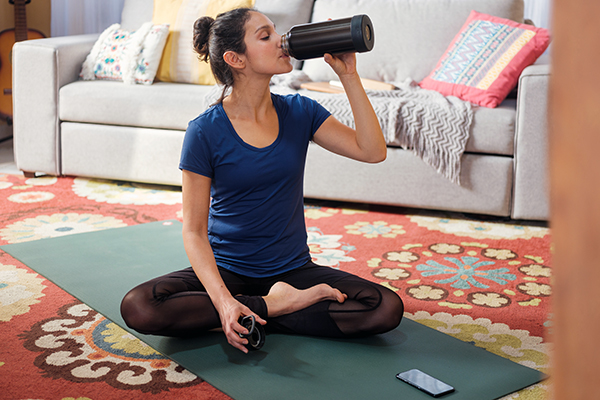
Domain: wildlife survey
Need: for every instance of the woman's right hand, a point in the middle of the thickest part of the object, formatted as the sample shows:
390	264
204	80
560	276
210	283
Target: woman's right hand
230	311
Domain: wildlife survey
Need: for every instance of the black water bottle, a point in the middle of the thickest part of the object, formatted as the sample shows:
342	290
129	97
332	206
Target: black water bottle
347	35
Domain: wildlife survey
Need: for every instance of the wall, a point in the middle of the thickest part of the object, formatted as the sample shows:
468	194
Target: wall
38	17
75	17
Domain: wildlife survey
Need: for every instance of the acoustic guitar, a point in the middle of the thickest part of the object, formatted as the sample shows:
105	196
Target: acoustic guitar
8	38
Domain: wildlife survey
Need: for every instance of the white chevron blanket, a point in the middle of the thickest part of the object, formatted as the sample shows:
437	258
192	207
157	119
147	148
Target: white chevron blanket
432	126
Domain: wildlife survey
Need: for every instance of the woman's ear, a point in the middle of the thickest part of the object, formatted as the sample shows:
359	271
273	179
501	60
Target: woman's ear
234	60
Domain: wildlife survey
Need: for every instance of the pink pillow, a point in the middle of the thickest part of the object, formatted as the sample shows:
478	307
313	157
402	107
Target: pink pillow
486	58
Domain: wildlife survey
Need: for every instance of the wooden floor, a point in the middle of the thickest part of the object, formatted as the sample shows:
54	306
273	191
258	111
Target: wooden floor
7	160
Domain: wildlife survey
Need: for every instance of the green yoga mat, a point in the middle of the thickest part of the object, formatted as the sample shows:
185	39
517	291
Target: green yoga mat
98	268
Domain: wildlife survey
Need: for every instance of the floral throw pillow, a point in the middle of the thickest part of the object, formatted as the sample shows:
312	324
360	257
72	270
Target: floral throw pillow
131	57
484	61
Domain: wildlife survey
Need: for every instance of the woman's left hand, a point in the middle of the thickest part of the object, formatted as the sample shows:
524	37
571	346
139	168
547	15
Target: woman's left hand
365	142
342	64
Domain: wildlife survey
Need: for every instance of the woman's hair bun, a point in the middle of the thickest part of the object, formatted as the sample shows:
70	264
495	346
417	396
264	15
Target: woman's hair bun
201	35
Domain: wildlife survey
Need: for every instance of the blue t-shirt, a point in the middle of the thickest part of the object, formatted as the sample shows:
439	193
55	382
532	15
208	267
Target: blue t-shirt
256	220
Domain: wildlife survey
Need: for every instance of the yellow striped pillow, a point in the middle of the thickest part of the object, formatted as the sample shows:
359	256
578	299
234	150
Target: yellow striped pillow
179	62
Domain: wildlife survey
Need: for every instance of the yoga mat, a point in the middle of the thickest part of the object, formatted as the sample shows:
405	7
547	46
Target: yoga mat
99	267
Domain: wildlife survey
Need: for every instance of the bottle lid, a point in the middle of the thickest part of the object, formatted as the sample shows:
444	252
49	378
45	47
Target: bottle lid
363	35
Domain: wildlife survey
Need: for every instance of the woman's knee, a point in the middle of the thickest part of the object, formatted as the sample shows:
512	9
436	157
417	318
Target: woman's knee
393	307
380	311
383	300
388	314
137	312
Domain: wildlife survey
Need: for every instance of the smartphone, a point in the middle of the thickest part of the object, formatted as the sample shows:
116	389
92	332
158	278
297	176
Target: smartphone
424	382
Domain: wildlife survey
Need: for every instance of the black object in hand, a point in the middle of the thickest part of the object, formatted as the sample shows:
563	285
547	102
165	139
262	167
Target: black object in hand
256	333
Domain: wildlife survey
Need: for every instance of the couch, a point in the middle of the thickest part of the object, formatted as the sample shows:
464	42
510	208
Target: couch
106	129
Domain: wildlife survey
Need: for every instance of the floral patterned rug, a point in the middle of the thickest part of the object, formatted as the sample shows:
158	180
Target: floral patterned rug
483	281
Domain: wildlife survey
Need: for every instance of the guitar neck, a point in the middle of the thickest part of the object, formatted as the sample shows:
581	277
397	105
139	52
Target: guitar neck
20	21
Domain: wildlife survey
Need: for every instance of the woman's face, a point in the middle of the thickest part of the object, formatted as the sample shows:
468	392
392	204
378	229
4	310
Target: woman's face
263	47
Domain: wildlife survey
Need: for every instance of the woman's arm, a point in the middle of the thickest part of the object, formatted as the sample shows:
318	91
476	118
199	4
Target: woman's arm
366	143
196	202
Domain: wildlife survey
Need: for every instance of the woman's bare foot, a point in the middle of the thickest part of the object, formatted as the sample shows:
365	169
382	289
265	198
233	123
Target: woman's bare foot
285	299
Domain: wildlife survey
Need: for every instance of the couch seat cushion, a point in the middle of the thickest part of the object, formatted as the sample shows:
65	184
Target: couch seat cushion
162	105
493	129
166	105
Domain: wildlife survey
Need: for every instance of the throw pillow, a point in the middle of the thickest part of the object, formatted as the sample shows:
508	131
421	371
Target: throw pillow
484	61
131	57
179	62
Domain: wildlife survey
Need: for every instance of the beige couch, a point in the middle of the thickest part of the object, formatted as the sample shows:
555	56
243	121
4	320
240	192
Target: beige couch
105	129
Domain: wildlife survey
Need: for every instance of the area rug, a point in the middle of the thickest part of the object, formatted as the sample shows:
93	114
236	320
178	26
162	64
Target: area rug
484	282
99	268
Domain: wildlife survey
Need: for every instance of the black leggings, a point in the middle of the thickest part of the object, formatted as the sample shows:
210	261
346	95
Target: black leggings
177	304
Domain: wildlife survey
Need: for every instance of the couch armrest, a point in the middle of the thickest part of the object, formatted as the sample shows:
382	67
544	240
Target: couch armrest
40	68
531	181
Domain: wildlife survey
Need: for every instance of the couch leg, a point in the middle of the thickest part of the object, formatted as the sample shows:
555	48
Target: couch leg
29	174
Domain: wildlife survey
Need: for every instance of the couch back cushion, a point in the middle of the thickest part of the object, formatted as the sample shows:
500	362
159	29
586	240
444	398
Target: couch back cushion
410	35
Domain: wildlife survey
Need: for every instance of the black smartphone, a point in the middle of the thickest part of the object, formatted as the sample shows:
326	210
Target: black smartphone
424	382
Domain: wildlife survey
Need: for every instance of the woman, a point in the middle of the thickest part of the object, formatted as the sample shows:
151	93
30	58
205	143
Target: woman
243	218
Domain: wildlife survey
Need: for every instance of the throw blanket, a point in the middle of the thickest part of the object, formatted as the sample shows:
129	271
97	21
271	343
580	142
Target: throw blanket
432	126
